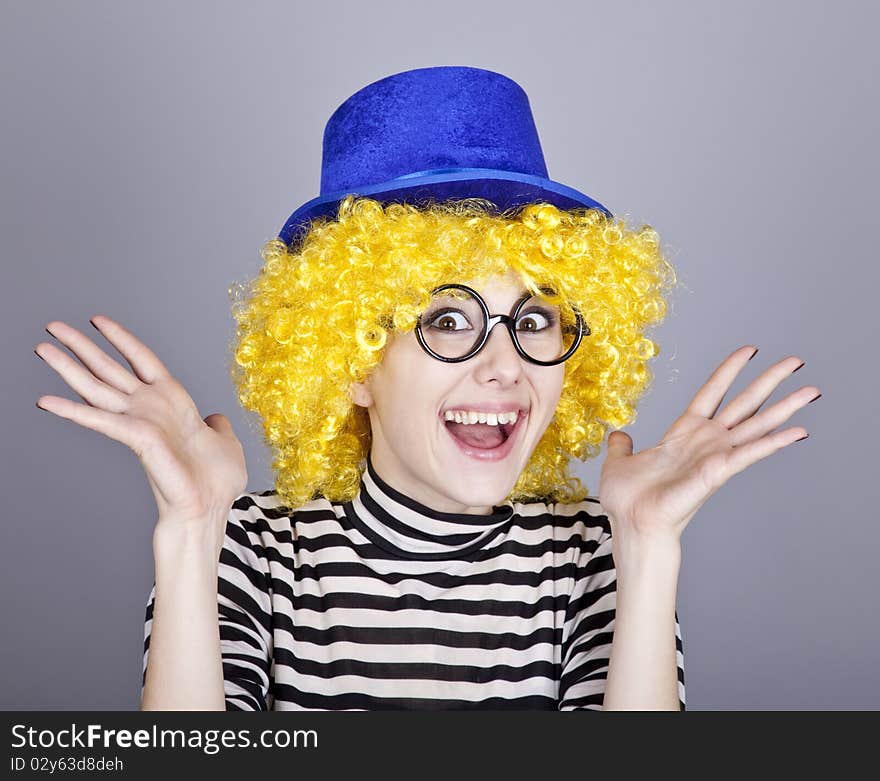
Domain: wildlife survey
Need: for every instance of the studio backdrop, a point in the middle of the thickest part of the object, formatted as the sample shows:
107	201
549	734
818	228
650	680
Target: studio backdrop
149	150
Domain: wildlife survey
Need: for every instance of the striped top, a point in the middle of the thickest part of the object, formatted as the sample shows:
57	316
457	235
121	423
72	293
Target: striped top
383	603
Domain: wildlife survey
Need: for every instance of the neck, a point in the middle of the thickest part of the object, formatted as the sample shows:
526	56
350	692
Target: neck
398	480
409	528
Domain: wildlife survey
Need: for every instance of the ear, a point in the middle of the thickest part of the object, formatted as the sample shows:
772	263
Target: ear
360	394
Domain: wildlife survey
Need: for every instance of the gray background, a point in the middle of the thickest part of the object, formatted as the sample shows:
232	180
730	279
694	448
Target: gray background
149	149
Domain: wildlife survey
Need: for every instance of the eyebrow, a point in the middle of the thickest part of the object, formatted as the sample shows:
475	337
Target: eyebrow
525	291
541	288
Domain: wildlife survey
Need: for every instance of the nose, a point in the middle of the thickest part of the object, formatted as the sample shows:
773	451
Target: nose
499	349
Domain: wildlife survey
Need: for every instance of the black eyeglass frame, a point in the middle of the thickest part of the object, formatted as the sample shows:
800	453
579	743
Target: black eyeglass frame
509	322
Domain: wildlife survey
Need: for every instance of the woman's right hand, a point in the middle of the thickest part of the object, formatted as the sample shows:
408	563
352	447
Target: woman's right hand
195	467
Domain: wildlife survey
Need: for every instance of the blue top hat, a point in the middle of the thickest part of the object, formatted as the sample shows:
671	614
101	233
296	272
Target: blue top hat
435	134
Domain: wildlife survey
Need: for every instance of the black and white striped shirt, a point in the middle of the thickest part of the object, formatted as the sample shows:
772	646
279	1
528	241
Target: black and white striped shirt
383	603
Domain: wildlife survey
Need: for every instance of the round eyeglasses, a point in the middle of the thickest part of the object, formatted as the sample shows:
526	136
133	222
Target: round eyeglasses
457	324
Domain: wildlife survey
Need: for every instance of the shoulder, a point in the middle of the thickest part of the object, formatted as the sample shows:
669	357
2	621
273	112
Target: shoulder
260	529
580	530
266	507
587	517
262	515
588	531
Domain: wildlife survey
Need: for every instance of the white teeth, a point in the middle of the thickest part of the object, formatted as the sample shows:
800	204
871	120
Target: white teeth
491	418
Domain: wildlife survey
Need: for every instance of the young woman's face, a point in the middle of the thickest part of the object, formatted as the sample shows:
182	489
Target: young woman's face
407	397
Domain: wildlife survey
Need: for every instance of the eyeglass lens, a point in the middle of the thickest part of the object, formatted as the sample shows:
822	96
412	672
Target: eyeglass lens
454	323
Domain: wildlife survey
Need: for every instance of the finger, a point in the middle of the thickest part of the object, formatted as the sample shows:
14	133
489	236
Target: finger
142	359
123	428
773	417
98	362
90	389
620	444
744	456
709	397
750	400
220	423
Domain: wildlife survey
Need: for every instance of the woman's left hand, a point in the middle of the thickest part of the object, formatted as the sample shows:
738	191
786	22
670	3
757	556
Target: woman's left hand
653	494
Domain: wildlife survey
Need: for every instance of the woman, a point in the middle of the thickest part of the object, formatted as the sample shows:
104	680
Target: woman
414	553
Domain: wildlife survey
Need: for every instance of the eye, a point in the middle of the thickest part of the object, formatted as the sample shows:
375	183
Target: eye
446	320
536	319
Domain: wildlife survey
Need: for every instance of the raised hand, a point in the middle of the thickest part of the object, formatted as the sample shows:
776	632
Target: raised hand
195	467
654	494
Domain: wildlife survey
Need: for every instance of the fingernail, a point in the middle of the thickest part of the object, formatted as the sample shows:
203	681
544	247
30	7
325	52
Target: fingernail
42	408
812	400
93	324
798	367
37	354
754	353
803	437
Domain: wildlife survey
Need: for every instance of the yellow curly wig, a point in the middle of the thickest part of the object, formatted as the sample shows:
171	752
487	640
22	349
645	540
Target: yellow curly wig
317	317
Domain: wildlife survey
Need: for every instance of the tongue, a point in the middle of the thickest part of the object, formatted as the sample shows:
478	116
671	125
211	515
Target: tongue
477	434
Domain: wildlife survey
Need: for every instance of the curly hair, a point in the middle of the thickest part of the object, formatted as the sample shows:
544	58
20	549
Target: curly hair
317	316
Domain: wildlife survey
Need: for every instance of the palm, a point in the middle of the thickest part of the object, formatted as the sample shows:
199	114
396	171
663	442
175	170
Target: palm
194	466
662	487
658	491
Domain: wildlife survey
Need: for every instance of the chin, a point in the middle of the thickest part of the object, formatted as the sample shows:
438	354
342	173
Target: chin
479	488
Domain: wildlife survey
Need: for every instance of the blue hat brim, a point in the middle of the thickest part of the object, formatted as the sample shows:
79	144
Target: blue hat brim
505	189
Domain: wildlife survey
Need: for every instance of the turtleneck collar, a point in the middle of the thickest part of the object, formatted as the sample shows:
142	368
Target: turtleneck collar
410	529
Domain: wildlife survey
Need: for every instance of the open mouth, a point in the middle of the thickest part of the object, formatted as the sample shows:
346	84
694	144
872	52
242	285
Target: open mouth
484	442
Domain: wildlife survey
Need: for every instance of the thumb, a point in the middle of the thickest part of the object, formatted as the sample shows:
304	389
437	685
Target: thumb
220	423
619	444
